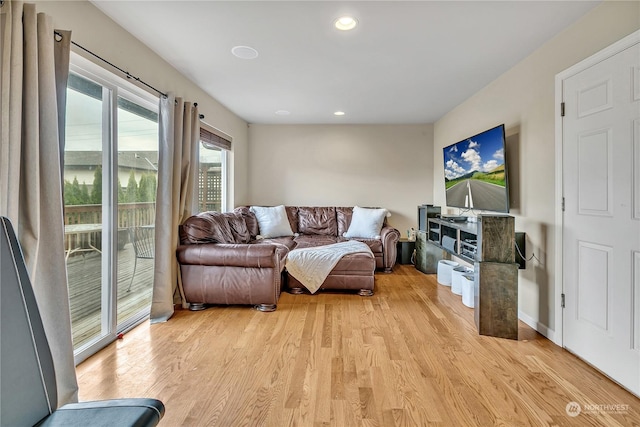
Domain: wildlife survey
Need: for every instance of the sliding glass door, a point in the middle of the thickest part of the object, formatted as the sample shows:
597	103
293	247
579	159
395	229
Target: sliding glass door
83	212
110	176
137	177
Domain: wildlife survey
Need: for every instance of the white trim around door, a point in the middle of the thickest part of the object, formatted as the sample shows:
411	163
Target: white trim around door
619	46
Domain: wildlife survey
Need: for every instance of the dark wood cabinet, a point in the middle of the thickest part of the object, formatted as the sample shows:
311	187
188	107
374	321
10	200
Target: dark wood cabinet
496	299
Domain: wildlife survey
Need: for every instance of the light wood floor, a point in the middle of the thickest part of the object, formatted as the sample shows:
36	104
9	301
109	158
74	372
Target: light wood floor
408	356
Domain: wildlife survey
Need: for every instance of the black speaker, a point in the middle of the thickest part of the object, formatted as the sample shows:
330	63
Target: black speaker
424	212
521	249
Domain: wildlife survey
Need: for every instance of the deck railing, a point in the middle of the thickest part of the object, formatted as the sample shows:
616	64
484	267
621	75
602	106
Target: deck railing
129	215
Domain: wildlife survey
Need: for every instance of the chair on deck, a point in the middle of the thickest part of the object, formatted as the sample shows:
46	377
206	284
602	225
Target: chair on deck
143	241
28	395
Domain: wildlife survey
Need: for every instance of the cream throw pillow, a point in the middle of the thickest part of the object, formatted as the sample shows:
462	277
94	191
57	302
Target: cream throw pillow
366	223
272	221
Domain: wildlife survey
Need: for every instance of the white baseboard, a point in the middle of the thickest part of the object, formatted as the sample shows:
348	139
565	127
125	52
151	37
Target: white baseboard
539	327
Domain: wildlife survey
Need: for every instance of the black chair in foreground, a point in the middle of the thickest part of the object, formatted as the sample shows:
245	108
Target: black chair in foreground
28	395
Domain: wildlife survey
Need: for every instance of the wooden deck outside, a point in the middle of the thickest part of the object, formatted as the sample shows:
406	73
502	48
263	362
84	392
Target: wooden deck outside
85	275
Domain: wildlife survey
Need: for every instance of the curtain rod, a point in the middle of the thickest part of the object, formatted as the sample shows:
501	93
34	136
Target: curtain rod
126	73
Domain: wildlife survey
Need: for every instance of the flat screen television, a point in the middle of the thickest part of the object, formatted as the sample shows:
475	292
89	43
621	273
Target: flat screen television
475	172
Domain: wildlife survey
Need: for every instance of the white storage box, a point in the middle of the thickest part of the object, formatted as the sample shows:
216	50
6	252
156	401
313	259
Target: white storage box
456	278
467	290
445	268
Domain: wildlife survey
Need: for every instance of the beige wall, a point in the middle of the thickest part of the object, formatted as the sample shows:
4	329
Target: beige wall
523	99
343	165
95	31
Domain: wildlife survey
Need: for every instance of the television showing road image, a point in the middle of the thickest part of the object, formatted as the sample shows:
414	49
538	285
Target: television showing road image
475	172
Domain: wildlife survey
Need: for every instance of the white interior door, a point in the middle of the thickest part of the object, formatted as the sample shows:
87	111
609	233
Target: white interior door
601	235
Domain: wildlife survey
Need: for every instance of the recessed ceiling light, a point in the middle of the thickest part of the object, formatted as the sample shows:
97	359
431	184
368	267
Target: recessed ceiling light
346	23
339	113
283	112
244	52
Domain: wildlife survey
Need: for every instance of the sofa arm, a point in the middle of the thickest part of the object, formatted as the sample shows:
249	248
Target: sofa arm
390	237
232	255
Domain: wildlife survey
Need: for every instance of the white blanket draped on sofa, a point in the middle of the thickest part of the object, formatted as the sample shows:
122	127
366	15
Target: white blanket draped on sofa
311	266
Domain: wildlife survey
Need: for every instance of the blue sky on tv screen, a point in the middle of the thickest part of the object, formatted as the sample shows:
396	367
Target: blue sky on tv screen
483	152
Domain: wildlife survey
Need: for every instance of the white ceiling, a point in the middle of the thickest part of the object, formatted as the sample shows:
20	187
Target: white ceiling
406	62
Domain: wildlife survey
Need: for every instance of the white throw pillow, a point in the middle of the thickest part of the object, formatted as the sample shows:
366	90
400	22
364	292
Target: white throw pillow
366	223
272	221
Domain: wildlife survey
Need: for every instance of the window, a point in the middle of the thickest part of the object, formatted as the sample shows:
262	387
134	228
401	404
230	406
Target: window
212	171
110	179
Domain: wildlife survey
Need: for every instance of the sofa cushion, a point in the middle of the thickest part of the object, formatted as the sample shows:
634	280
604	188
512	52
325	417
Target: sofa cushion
317	220
249	219
272	221
311	240
238	226
343	217
374	244
206	227
366	223
287	241
292	216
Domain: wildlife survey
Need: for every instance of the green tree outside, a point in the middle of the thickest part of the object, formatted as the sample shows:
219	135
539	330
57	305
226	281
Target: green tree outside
131	193
134	192
147	188
120	192
74	194
96	190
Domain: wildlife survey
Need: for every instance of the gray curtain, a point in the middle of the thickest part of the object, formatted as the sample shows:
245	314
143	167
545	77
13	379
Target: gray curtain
177	172
30	173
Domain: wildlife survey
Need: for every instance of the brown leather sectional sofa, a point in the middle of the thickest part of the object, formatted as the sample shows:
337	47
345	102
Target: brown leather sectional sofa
222	262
